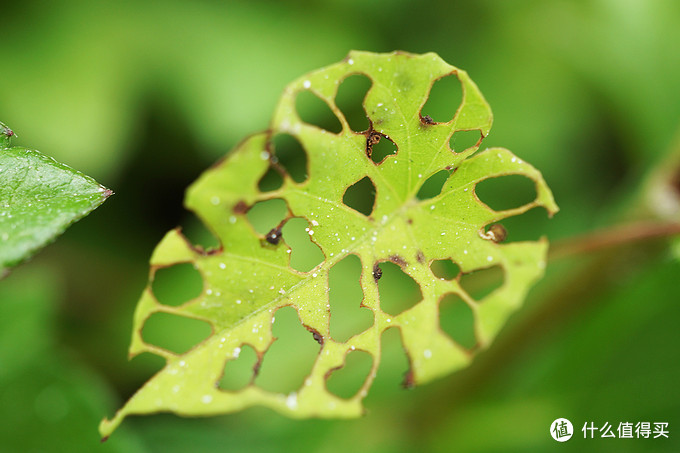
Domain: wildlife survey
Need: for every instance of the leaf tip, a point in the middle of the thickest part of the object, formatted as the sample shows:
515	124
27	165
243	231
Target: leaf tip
106	193
106	427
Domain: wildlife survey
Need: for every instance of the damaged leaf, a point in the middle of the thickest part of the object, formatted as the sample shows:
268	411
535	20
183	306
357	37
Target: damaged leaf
352	205
39	199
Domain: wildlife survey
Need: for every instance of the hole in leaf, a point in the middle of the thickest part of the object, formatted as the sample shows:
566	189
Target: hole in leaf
290	154
457	320
289	360
480	283
360	196
239	371
350	98
144	366
506	192
199	235
446	269
394	366
270	181
444	99
433	185
398	291
529	226
348	318
313	110
462	140
175	333
305	254
347	381
177	284
382	149
268	214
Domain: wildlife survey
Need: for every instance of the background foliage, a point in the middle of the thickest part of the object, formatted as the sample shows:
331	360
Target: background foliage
144	96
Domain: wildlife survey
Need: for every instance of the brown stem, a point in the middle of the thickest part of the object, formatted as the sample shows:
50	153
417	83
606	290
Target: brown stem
612	237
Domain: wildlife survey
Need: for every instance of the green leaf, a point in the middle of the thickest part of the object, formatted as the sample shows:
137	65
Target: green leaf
39	199
253	273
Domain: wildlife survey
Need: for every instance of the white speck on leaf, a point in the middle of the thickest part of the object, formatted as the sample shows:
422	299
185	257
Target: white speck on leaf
291	401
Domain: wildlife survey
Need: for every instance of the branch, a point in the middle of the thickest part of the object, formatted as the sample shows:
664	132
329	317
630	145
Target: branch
613	237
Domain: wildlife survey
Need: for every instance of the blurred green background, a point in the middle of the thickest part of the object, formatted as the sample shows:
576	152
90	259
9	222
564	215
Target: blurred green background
145	95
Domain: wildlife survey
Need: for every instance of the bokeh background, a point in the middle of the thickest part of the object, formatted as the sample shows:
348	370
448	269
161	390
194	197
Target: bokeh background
145	95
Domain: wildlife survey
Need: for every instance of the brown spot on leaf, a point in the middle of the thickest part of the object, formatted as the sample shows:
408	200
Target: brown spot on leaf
396	259
499	232
409	380
202	251
257	366
195	247
420	257
372	138
427	119
274	236
496	233
209	252
377	272
315	333
241	207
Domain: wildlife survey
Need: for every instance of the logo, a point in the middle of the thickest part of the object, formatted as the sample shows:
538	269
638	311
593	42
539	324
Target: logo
561	430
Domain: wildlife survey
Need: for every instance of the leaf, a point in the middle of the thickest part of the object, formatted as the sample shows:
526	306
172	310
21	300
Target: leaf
39	199
251	276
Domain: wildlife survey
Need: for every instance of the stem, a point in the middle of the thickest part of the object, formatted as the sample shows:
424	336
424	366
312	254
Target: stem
621	235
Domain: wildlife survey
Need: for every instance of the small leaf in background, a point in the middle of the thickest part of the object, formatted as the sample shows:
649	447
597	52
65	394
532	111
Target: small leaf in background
398	198
39	199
